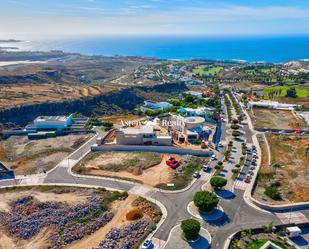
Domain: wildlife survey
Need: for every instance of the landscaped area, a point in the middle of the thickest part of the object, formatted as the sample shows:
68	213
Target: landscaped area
281	91
276	119
205	70
51	216
26	156
286	180
145	167
249	240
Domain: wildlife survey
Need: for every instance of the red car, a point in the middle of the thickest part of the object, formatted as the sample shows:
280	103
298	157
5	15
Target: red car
296	132
173	163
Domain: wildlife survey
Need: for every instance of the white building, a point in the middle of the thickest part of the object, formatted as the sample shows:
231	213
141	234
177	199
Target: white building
194	93
271	105
52	122
155	106
188	129
144	135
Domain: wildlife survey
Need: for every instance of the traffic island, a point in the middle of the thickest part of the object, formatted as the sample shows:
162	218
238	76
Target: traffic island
216	214
177	240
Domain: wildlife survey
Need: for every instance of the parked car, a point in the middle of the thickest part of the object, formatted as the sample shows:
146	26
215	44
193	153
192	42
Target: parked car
206	168
251	172
220	144
173	163
248	176
147	244
196	174
247	180
252	168
296	132
213	157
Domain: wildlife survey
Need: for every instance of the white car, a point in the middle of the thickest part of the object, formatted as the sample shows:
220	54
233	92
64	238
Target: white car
206	167
220	144
147	244
196	174
213	157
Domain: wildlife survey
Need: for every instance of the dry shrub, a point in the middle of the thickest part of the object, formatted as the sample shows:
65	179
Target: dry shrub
134	214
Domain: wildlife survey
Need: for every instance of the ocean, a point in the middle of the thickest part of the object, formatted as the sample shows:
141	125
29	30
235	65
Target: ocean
251	49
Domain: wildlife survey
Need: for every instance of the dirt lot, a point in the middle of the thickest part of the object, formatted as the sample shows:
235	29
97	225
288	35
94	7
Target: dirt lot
144	167
291	153
68	197
276	119
14	94
147	167
34	156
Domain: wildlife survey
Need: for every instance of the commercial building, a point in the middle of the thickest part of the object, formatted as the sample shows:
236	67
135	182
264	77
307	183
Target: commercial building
155	106
144	135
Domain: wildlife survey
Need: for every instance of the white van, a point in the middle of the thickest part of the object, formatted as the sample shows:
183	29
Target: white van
293	232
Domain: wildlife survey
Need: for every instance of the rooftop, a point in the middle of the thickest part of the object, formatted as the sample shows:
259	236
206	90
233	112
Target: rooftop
141	130
194	120
51	118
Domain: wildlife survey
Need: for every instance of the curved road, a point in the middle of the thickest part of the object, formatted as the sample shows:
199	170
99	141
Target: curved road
238	215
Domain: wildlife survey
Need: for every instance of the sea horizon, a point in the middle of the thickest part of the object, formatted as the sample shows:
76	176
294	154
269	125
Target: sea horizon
267	48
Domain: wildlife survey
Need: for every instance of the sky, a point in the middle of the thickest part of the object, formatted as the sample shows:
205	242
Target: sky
44	18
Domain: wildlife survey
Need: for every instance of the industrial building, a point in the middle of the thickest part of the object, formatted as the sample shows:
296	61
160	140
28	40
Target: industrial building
144	135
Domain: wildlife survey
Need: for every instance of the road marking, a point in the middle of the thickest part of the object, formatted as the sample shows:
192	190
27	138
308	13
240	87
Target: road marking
141	190
33	180
158	243
292	217
239	184
67	163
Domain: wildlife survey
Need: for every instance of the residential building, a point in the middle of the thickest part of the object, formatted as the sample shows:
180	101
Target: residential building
145	135
206	113
155	106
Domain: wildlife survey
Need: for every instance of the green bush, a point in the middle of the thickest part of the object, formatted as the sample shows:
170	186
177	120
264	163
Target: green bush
218	182
218	166
273	193
191	229
235	121
235	171
237	165
236	133
205	200
220	163
235	126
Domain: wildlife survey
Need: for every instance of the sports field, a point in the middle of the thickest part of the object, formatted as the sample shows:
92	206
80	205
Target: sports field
280	91
206	70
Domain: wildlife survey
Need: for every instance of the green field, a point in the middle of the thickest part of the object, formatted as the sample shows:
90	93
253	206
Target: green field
207	70
280	91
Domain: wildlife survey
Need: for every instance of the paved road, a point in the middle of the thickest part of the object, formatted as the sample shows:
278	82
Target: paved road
238	215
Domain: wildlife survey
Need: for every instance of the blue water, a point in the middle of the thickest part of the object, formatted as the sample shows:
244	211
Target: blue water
270	49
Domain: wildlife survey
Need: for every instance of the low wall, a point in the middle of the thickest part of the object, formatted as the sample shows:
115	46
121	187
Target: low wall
158	149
